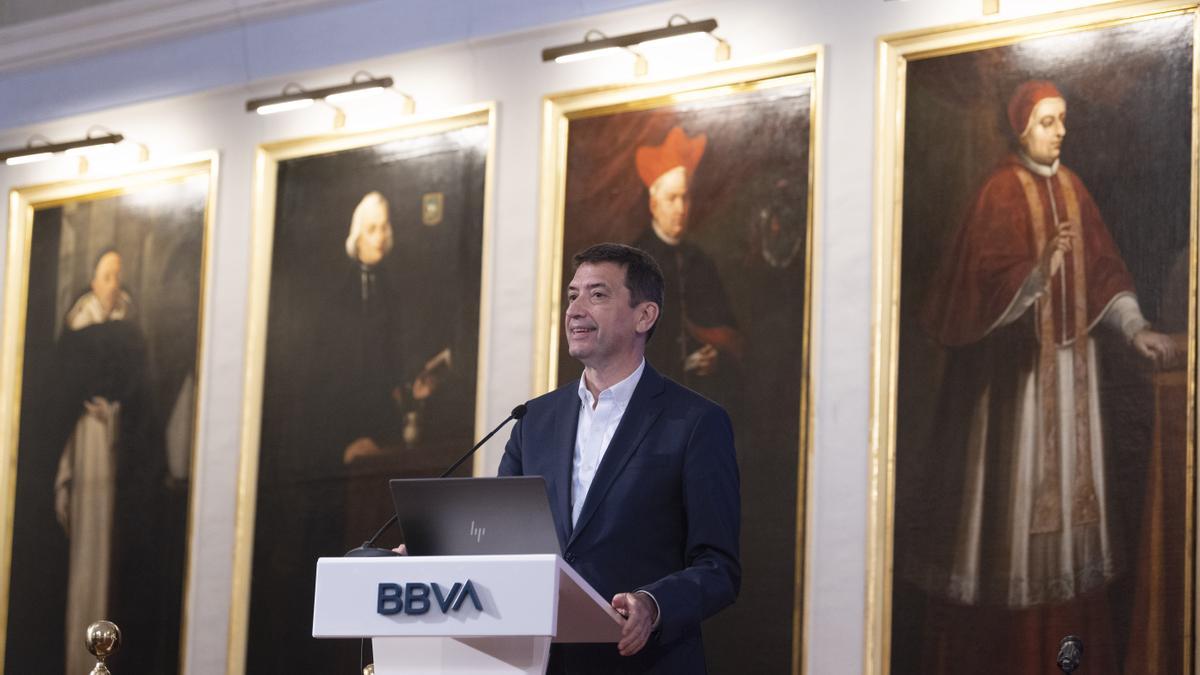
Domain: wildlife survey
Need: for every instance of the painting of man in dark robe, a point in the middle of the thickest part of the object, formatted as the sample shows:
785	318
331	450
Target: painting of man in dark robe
370	374
107	428
1042	405
717	190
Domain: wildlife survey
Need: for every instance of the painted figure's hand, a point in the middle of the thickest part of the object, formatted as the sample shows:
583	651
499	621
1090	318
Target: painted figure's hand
100	408
423	386
427	381
362	447
62	506
1056	250
702	362
640	614
400	550
1157	347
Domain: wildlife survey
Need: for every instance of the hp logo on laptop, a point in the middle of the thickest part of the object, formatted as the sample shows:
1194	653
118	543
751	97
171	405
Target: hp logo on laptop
477	532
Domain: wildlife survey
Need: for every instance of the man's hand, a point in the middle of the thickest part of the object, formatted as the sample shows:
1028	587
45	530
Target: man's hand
1157	347
640	614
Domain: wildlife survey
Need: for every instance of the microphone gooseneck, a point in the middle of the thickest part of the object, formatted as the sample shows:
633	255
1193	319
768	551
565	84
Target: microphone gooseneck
516	414
370	550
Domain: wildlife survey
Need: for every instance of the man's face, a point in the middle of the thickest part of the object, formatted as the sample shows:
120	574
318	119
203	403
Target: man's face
670	201
376	229
106	284
601	326
1042	141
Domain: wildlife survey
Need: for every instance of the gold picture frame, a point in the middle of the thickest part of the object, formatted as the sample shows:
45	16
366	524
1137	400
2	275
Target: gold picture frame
989	59
478	119
784	73
125	201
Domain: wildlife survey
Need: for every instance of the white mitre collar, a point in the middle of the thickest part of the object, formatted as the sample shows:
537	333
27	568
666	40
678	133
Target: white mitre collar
1043	170
88	311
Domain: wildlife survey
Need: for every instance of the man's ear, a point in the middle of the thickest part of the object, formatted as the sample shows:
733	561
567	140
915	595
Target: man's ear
647	316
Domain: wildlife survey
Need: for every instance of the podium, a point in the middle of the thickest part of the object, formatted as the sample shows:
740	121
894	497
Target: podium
460	614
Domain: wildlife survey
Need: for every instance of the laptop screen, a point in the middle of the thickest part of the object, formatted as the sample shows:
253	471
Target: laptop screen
475	516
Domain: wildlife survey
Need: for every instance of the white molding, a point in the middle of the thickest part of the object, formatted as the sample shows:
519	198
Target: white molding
127	23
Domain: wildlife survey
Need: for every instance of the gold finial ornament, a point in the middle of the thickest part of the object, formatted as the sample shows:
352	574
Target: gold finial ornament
369	670
103	640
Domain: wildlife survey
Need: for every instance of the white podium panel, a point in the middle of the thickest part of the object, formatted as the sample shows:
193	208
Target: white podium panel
460	614
517	596
460	656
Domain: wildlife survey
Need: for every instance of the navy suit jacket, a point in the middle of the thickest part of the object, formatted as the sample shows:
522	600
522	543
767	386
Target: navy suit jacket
662	513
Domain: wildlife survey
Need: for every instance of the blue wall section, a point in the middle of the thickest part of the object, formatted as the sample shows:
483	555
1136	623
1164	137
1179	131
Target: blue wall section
270	48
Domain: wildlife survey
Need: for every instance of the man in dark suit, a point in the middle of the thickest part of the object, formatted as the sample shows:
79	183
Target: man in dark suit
641	473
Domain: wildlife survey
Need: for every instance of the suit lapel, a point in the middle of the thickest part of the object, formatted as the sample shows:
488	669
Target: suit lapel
644	408
566	420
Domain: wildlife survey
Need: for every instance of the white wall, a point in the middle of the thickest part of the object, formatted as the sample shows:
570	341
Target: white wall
506	69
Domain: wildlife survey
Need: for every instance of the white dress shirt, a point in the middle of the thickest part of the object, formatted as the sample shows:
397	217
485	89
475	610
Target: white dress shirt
598	420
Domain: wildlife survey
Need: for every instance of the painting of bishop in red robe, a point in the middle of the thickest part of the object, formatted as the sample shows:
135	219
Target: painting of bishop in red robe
1032	273
1035	398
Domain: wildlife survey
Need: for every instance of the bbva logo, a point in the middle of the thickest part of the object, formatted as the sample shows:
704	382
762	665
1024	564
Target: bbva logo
414	598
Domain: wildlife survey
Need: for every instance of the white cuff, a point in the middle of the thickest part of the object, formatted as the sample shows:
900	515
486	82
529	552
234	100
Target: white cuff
1027	294
657	609
1125	316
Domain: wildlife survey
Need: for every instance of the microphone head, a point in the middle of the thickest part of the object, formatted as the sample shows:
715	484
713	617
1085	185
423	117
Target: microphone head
1070	653
519	411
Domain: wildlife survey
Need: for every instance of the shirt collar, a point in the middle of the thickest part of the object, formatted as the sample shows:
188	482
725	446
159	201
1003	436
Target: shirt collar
621	392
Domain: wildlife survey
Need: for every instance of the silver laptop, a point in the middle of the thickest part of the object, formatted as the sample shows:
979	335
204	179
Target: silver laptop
474	516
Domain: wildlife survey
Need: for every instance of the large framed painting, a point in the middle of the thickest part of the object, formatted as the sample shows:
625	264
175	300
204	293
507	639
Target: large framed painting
100	377
365	349
713	175
1034	392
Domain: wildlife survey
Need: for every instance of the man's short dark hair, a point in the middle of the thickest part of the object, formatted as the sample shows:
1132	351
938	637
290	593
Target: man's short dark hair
643	276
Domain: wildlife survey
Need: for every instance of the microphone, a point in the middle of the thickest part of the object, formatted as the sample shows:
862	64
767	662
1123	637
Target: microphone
1069	653
370	550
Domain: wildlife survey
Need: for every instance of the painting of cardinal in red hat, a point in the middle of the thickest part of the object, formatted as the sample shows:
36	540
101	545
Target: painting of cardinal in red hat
716	189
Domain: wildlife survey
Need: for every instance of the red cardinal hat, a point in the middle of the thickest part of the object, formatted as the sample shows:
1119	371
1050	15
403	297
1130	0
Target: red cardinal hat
1025	98
676	150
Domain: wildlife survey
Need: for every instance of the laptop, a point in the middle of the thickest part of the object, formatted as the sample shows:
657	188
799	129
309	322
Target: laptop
474	516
